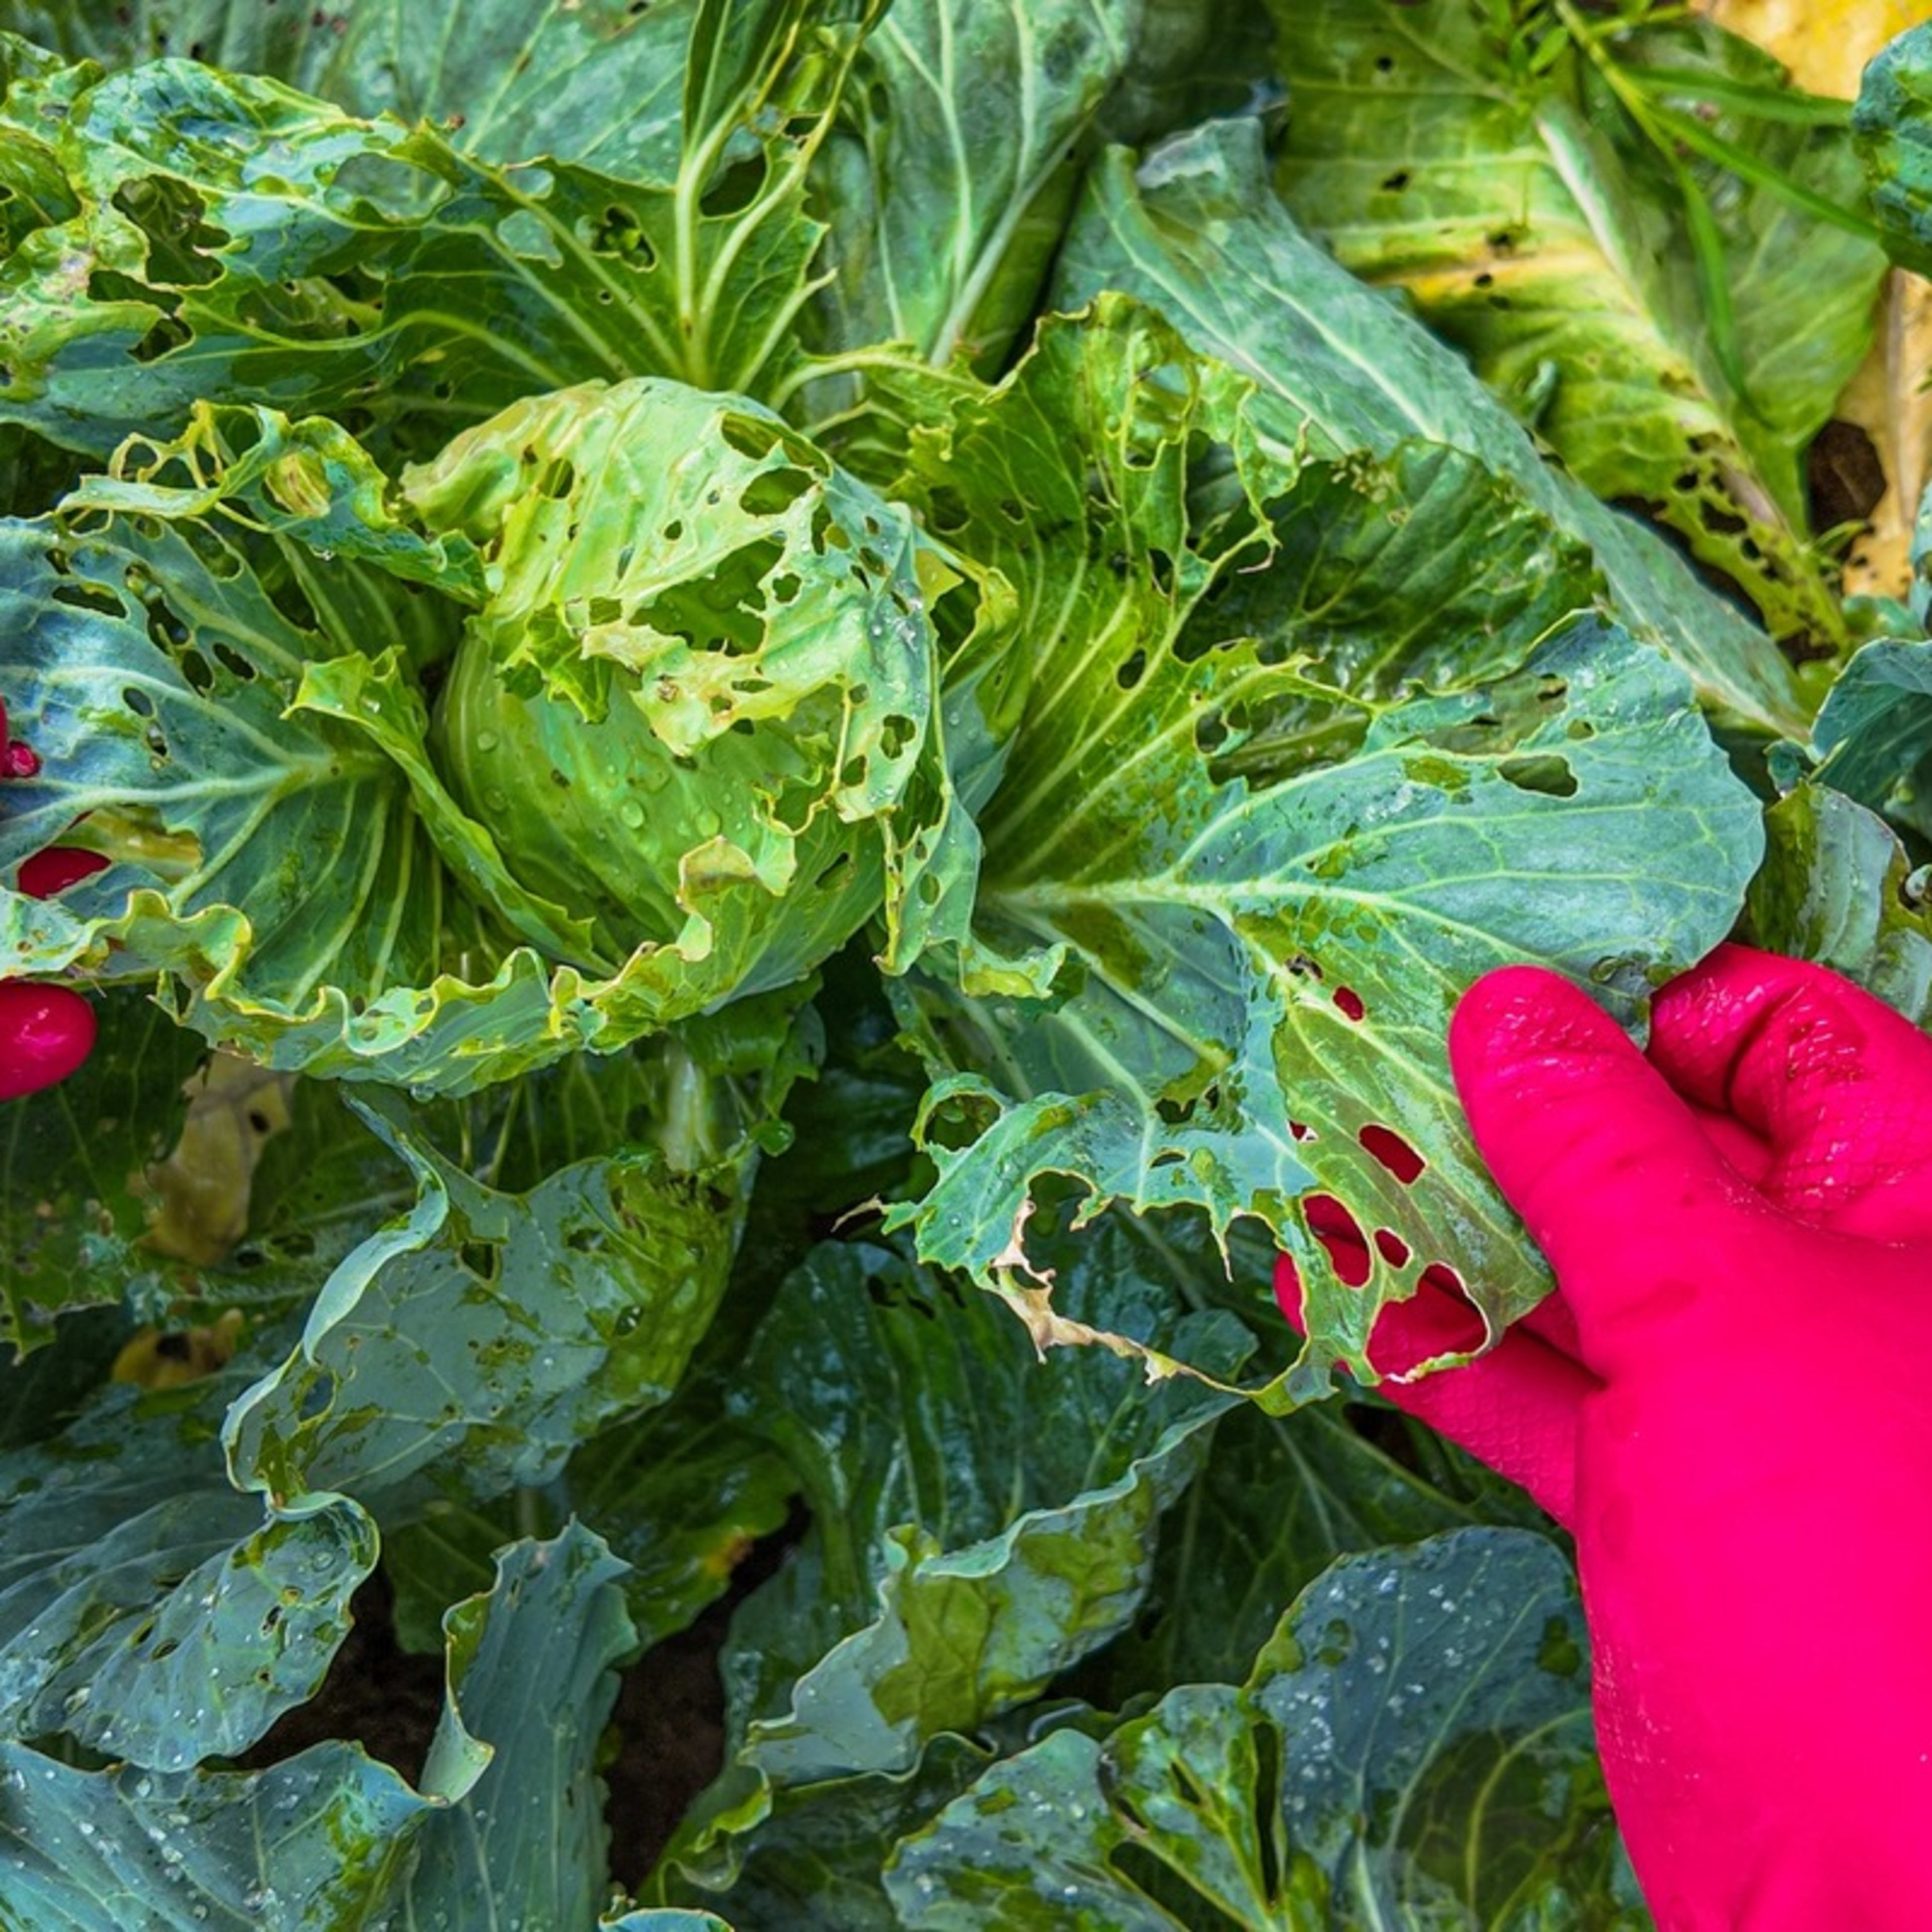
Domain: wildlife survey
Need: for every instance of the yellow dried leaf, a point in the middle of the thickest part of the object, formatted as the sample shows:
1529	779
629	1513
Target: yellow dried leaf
1825	43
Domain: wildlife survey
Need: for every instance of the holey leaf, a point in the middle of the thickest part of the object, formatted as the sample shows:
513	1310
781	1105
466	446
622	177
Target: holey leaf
219	235
1241	864
714	745
1198	230
1678	329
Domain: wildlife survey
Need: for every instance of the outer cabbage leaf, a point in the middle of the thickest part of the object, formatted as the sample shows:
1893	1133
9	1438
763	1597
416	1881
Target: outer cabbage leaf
600	83
1873	737
508	1819
977	1528
1281	1498
1837	887
1198	231
148	1610
72	1208
1237	999
1499	176
231	237
1412	1747
954	163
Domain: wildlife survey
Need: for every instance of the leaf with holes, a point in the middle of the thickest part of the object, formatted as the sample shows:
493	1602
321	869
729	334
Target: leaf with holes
231	237
1237	1001
473	1343
682	765
147	1610
600	83
1678	330
1198	231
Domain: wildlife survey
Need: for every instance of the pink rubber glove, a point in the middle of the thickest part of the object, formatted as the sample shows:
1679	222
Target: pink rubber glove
1729	1403
46	1032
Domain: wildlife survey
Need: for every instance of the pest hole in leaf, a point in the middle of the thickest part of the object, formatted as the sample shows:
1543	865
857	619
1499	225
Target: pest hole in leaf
1546	773
1393	1152
481	1258
1391	1246
946	510
1264	1740
619	233
1349	1003
1131	671
774	492
180	244
1407	1333
86	597
734	189
1341	1236
748	435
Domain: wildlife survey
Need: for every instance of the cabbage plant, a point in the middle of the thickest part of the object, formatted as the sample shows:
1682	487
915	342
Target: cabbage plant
792	720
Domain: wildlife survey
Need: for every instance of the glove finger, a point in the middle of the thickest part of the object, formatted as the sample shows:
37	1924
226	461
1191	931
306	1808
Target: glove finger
1835	1084
1515	1409
46	1032
1611	1171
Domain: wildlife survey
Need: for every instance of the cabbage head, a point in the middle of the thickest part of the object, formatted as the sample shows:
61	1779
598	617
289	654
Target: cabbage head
704	683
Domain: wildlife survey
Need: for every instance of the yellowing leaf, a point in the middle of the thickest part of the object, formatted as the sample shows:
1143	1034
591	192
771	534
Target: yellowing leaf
1824	47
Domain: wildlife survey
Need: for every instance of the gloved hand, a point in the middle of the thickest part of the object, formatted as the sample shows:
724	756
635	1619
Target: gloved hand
46	1032
1729	1403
